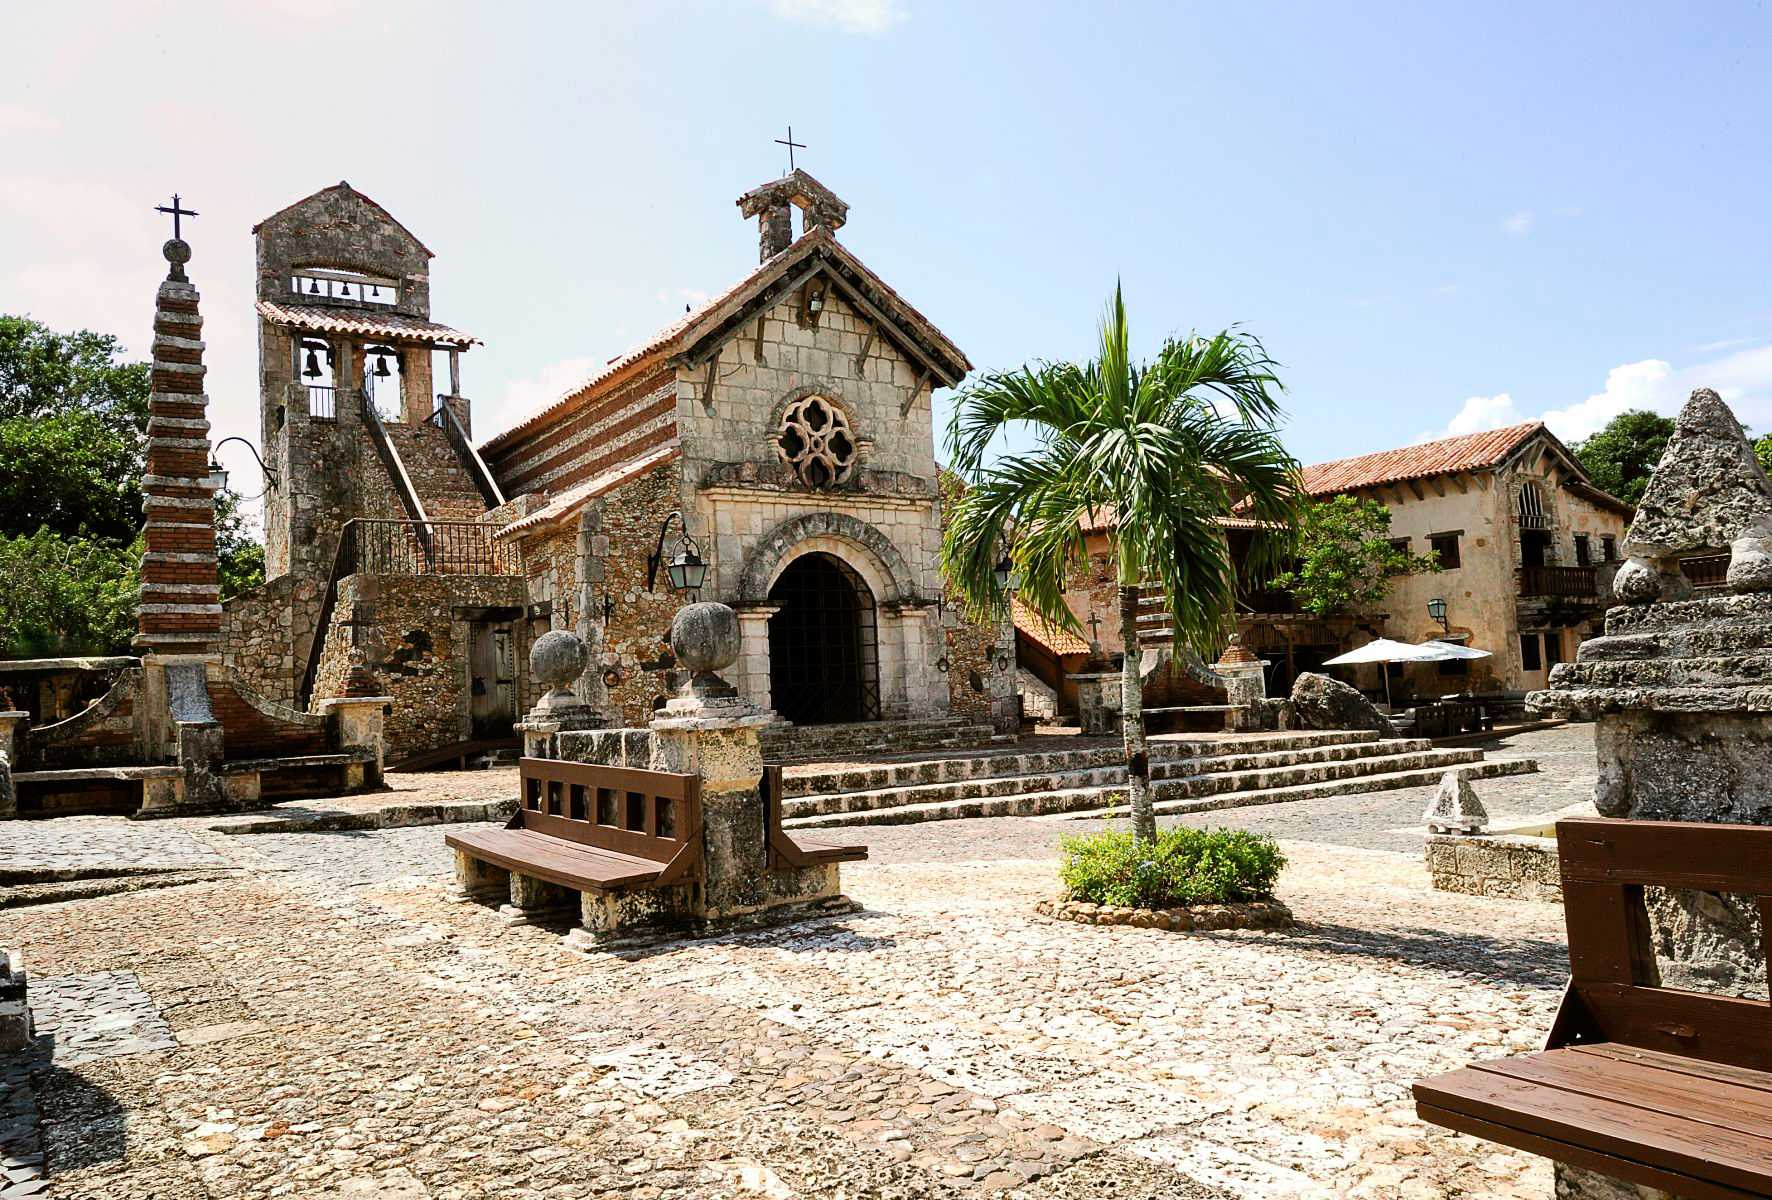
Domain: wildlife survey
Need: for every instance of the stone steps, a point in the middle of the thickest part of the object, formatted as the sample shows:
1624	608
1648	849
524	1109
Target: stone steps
1023	804
1209	783
1384	782
958	791
784	743
1264	760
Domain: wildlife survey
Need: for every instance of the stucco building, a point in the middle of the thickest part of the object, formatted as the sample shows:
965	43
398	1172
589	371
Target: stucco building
1527	545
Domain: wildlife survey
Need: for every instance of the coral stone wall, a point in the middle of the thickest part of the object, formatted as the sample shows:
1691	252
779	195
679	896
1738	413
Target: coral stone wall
415	639
267	634
586	438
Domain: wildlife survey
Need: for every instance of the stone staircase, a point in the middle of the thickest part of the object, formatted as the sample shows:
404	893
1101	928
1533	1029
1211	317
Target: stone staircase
1189	774
784	742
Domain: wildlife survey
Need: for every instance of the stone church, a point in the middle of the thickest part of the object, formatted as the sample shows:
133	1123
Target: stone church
781	435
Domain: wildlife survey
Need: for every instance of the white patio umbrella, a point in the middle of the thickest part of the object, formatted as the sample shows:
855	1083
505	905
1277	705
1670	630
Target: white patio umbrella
1450	651
1384	650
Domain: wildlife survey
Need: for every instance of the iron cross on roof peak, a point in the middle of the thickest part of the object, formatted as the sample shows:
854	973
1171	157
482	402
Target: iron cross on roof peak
789	142
178	211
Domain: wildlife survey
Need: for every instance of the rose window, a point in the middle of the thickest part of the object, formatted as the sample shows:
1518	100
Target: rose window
816	442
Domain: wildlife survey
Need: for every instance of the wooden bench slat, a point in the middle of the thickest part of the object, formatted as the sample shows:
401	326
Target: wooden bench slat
1582	1156
565	863
817	851
1708	1100
1728	1072
1611	1127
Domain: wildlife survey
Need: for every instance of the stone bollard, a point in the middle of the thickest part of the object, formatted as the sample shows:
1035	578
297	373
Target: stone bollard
1098	702
361	721
1684	728
10	723
556	661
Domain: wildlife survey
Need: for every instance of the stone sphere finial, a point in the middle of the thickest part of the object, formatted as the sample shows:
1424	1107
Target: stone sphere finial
177	251
557	659
705	639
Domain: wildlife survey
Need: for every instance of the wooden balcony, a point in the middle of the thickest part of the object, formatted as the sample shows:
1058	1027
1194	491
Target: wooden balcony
1574	583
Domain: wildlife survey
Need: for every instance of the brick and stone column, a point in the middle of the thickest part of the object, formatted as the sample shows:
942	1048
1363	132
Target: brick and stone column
1676	686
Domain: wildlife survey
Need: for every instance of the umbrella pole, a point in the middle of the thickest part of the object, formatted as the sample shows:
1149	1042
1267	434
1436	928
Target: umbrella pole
1386	668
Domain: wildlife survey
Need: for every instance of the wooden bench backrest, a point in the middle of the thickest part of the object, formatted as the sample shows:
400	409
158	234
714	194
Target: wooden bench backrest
1605	865
648	814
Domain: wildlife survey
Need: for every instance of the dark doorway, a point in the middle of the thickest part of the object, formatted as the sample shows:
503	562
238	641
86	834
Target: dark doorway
1534	547
823	667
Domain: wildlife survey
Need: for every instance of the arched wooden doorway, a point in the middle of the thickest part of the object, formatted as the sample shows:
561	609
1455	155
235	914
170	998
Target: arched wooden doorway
823	658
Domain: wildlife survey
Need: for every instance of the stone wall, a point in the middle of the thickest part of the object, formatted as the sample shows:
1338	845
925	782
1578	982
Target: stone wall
415	641
437	472
268	631
1509	866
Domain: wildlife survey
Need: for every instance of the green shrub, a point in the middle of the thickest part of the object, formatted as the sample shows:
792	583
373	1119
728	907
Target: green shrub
1183	866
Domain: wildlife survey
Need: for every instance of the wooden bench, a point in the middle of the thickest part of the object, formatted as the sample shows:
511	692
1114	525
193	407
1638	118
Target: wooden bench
595	828
794	850
1666	1088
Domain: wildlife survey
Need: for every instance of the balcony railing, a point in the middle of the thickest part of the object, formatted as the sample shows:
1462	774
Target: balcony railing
378	546
322	403
1536	520
1577	583
1706	570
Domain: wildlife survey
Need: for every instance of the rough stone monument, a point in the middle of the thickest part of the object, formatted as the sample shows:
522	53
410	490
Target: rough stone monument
1680	686
1455	808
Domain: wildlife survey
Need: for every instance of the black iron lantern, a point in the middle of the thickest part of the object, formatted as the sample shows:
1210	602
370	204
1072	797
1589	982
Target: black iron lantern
1436	608
687	570
1005	572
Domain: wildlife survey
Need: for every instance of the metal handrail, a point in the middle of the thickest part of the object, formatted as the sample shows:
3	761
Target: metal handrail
444	418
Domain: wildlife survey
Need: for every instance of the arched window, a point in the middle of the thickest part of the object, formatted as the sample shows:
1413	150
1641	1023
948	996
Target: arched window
317	284
1533	514
313	366
384	382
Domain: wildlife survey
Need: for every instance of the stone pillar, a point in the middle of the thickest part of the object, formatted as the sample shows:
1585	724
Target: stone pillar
1684	725
752	666
556	661
10	721
1098	702
711	731
359	721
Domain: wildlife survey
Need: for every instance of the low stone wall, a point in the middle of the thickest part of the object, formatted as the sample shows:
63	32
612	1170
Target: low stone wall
1257	914
1514	866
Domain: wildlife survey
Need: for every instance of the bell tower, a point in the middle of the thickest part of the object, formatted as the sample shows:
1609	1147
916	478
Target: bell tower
346	388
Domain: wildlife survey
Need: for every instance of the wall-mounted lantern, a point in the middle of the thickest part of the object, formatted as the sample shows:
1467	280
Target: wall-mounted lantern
687	570
219	473
1436	608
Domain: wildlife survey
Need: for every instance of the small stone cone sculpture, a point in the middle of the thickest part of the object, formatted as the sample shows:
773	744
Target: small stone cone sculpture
1455	807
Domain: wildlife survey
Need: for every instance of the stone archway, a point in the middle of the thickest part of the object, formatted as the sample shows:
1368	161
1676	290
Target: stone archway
871	565
824	665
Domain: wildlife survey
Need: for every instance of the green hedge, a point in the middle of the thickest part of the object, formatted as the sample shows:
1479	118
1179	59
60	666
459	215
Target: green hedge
1183	866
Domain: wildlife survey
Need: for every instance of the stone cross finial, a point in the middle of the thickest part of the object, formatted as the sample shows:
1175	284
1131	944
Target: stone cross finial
1709	492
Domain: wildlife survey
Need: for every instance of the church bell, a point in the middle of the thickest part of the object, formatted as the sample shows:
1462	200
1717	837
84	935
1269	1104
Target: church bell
310	368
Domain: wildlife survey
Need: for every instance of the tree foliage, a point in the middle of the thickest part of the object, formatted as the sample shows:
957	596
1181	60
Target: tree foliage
1620	457
1345	560
1169	447
73	441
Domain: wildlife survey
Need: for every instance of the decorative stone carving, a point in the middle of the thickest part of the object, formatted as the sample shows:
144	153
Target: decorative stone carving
556	660
705	639
1319	702
1681	690
815	441
1455	808
1709	492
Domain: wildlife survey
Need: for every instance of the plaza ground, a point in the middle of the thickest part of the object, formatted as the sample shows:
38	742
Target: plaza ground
307	1015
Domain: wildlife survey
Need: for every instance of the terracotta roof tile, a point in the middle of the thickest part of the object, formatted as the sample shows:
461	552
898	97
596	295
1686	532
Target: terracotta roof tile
1054	640
1468	452
1102	519
682	333
392	326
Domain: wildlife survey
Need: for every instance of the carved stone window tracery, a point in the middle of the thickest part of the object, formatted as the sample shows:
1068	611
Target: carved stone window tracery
815	441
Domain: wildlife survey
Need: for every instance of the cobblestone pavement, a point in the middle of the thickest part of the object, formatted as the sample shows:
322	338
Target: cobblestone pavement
342	1030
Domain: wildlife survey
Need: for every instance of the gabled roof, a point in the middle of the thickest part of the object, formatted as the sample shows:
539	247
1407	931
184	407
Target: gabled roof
573	498
1049	637
390	325
341	184
719	319
1468	452
1105	519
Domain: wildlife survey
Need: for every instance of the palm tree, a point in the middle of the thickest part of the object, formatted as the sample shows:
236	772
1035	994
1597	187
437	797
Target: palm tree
1168	447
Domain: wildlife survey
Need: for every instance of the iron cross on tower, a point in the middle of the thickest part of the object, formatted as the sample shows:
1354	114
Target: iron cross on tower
176	211
790	143
1094	626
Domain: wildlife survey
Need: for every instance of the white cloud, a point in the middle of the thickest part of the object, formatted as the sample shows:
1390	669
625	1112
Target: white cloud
522	398
869	17
1482	412
15	118
1725	344
1518	225
1743	379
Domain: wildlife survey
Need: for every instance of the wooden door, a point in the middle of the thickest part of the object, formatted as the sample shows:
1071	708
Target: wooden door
492	679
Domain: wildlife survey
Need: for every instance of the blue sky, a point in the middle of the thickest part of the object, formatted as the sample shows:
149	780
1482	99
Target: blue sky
1437	218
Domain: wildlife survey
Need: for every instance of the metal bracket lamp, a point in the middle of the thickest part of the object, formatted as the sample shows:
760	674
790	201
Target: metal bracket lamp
687	570
1436	608
220	473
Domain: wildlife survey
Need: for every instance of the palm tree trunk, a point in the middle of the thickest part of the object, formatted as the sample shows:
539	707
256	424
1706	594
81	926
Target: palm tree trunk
1138	764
